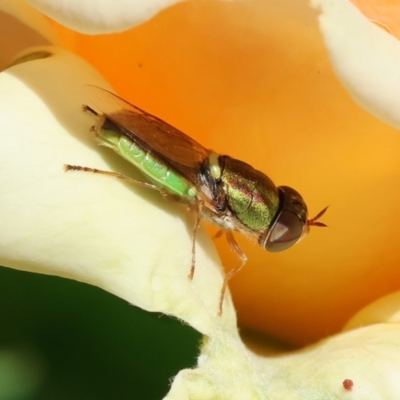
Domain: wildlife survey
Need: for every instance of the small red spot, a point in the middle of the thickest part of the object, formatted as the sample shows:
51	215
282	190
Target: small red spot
348	384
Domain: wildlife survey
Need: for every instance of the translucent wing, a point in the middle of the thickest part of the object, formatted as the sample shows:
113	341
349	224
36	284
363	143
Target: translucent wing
153	134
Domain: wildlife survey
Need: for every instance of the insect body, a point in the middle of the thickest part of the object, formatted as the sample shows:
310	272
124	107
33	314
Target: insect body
220	189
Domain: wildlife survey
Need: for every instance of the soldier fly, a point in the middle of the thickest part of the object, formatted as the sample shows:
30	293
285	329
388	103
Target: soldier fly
226	192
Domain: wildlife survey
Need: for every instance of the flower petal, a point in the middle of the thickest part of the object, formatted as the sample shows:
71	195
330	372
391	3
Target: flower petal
364	361
365	57
93	229
101	16
385	309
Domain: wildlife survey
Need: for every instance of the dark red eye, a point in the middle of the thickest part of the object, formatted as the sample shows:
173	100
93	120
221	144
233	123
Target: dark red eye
285	232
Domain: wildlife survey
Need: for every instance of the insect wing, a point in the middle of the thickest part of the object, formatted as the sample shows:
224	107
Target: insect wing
162	140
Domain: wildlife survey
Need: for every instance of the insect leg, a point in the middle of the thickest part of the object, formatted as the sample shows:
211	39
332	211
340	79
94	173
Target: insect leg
199	208
219	234
90	109
69	167
243	258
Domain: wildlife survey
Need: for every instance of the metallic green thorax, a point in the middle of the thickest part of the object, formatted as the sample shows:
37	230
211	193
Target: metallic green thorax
109	135
251	195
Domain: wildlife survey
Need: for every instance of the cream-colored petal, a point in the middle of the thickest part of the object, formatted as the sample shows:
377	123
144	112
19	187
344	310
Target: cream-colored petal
385	309
101	16
366	58
126	240
362	365
368	357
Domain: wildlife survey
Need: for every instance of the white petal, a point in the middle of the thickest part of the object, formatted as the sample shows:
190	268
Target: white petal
365	57
385	309
101	16
127	240
367	358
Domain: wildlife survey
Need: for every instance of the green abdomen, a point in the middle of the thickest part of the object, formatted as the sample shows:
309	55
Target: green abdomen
156	171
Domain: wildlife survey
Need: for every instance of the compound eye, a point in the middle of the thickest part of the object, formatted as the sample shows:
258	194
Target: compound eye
286	231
